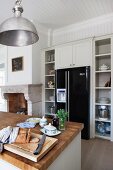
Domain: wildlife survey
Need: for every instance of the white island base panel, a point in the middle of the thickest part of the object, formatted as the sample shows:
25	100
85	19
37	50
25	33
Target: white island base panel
5	166
70	158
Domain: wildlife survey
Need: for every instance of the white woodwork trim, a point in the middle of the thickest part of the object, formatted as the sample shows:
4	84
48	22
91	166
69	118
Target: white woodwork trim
112	88
94	27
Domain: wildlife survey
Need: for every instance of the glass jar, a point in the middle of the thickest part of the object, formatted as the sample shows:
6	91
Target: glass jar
62	124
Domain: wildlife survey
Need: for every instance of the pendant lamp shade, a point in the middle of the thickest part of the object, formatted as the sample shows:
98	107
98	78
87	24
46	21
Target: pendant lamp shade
18	31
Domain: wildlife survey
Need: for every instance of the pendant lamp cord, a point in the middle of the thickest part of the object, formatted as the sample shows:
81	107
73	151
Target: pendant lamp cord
18	9
18	2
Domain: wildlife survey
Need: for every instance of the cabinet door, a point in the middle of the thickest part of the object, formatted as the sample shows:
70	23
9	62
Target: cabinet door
63	57
82	53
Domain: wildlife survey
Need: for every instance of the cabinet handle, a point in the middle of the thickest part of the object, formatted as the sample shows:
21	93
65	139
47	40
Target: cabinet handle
70	64
74	64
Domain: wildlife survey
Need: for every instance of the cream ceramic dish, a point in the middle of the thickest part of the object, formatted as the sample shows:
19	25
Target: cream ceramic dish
48	134
50	130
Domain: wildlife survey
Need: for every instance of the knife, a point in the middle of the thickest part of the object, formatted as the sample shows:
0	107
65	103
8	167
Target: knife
40	145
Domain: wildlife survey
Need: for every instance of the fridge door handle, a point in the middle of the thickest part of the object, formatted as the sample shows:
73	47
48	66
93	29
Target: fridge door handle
66	90
68	95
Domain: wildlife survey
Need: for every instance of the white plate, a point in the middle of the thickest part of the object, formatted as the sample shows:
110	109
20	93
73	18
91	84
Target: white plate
103	118
43	131
36	120
103	102
102	69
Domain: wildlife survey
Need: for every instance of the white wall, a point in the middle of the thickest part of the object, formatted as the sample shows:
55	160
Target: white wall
36	53
3	77
24	76
31	73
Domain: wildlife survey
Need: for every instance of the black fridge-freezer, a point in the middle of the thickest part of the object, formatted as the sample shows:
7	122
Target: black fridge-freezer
73	94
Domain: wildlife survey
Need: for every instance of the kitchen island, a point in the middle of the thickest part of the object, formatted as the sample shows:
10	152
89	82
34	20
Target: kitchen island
65	155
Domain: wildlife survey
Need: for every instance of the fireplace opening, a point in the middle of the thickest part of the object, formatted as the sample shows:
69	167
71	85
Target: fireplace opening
16	103
21	99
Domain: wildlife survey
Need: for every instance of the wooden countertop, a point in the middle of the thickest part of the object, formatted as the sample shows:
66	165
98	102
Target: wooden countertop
11	119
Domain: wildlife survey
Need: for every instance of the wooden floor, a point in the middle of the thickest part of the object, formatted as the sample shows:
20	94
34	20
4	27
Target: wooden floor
97	154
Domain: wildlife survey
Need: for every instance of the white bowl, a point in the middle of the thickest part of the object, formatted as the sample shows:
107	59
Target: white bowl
51	98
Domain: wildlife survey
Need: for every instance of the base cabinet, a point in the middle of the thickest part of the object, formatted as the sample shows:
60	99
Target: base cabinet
72	155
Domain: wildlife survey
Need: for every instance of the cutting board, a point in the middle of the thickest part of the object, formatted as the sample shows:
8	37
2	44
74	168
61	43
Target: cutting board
26	150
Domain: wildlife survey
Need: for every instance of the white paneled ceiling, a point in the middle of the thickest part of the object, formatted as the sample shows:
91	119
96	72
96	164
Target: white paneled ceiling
58	13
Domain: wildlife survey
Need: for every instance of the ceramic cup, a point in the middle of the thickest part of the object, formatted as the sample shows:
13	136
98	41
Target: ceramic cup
43	122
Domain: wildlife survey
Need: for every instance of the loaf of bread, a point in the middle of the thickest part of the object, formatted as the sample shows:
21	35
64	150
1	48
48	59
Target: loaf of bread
23	136
34	140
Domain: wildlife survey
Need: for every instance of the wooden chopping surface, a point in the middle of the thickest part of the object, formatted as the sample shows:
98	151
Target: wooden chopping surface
26	150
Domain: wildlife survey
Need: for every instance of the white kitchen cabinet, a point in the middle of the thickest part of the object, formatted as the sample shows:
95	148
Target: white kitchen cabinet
103	87
63	56
82	53
74	55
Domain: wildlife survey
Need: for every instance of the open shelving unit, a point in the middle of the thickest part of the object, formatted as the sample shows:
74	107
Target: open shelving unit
49	83
103	87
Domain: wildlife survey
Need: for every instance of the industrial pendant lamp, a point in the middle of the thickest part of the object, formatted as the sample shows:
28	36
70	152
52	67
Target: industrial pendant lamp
18	31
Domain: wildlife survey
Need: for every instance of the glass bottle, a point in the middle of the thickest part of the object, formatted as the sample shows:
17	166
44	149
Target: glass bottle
55	121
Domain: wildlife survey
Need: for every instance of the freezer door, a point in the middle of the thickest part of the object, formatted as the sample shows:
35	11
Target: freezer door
79	98
61	90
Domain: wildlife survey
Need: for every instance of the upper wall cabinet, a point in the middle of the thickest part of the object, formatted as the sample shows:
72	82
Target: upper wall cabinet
82	53
63	56
74	55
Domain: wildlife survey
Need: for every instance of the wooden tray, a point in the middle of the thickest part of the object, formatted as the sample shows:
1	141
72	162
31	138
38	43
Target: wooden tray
26	150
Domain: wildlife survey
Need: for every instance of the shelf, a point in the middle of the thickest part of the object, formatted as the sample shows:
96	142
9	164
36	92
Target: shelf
104	104
102	120
51	62
50	114
103	55
48	101
103	71
103	88
50	75
49	88
102	136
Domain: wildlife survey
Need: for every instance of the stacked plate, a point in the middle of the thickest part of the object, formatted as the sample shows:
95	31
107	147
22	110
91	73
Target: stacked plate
103	100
